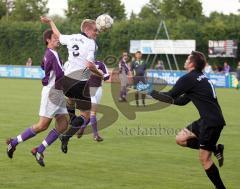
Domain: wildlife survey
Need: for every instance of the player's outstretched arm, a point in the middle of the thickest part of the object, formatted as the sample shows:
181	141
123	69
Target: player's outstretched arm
182	100
49	21
167	98
163	97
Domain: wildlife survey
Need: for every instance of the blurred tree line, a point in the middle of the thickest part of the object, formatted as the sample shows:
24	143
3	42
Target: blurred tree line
21	30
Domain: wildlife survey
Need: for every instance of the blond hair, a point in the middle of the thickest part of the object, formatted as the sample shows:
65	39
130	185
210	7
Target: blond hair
86	23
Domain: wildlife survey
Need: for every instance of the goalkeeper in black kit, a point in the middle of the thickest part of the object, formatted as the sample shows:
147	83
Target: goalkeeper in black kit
203	133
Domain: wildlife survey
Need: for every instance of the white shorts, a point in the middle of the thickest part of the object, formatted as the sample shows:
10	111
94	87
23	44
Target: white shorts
96	94
52	103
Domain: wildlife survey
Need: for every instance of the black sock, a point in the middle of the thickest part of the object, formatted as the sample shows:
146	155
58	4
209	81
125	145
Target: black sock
193	143
143	99
136	98
77	122
71	131
71	113
213	175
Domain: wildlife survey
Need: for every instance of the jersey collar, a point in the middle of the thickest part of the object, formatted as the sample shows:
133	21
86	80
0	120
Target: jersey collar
139	61
84	34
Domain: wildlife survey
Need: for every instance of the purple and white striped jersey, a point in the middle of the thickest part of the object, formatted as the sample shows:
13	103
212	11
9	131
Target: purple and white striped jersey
123	67
96	81
52	66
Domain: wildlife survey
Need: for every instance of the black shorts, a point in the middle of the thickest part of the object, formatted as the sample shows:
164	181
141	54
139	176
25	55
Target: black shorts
207	136
79	92
137	79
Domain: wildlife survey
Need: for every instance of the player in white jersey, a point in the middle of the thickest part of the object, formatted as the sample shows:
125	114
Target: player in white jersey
81	50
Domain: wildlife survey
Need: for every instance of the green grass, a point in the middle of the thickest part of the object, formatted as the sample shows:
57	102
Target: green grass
121	161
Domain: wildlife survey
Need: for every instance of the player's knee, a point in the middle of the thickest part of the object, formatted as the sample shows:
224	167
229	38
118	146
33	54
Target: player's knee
204	160
62	124
180	141
62	128
77	121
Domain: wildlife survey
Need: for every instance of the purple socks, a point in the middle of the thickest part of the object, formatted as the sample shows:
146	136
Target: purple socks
27	134
52	136
93	121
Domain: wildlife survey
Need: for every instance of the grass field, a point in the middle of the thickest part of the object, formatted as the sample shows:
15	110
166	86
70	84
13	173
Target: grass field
123	160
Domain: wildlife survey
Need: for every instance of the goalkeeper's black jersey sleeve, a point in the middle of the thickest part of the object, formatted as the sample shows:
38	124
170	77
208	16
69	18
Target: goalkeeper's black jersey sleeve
195	87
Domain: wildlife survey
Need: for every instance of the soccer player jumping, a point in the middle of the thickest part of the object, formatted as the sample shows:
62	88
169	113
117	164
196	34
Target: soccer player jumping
204	133
82	49
52	102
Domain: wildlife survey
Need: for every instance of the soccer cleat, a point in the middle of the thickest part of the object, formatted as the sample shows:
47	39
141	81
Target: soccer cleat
145	88
10	148
98	138
64	143
38	156
219	154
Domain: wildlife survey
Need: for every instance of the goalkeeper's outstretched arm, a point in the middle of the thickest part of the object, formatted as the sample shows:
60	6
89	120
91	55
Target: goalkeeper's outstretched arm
167	98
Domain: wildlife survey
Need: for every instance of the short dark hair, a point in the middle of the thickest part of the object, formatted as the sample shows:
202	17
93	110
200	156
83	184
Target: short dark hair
199	60
138	52
47	34
125	53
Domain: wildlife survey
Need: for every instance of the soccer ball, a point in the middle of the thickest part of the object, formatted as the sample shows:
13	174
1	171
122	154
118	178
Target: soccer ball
104	22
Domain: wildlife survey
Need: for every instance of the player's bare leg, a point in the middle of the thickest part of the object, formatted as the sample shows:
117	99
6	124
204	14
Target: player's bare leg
186	138
42	125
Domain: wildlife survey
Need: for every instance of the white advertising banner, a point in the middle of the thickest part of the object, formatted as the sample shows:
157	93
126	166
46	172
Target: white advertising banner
181	47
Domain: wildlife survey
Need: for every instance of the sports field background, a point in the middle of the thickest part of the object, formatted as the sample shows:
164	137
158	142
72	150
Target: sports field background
121	161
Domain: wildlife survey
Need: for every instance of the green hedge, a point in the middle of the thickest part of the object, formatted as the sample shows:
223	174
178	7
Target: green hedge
20	40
